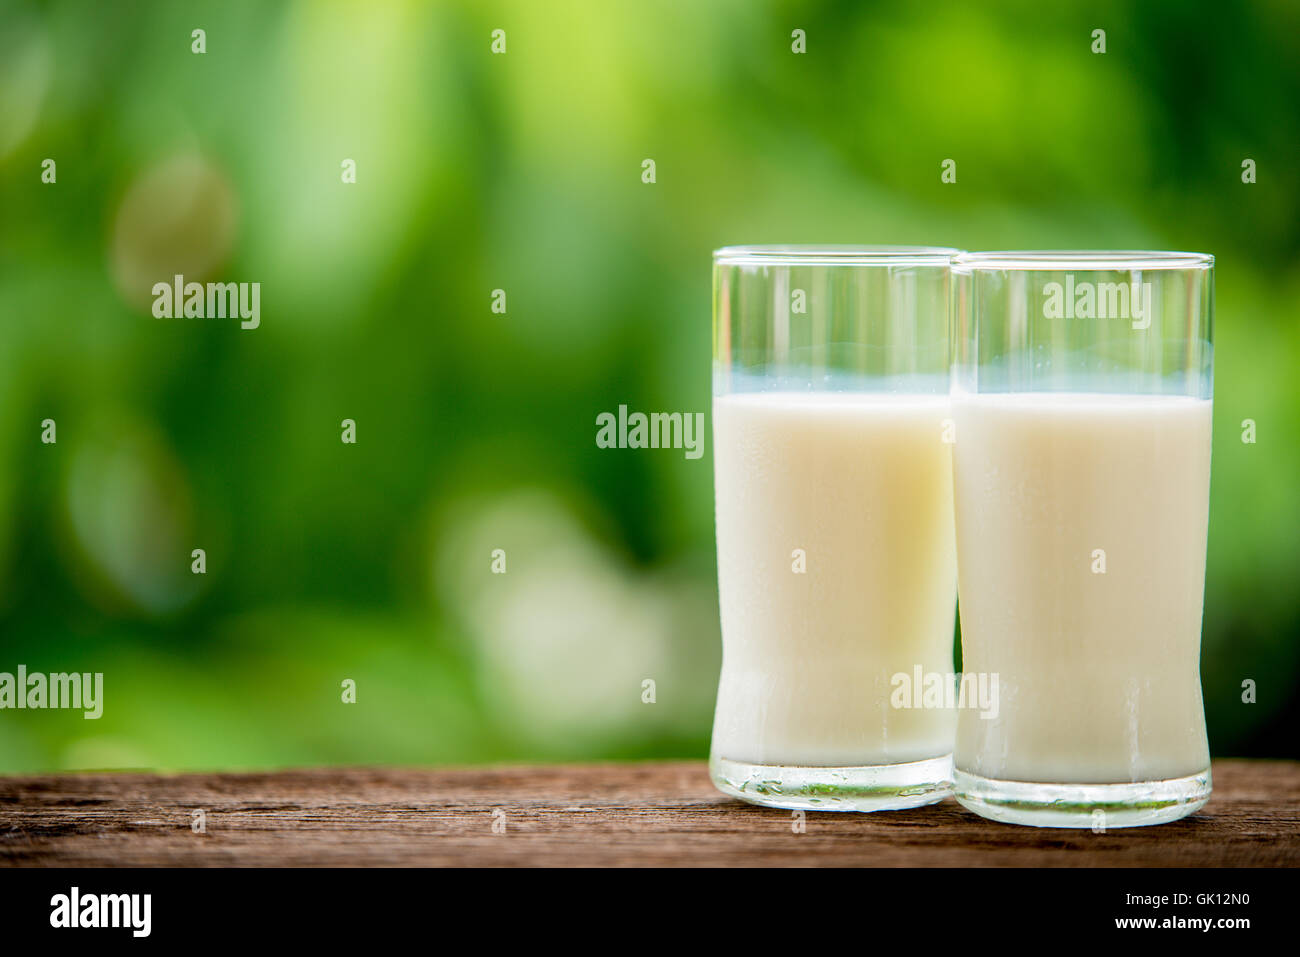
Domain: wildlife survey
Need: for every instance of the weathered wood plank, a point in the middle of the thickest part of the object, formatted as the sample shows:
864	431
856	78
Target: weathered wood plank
651	814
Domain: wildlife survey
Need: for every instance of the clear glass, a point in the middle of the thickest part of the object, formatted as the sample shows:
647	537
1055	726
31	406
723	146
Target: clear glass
1082	396
836	552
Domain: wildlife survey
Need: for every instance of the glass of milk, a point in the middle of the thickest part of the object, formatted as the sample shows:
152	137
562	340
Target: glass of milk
836	553
1082	386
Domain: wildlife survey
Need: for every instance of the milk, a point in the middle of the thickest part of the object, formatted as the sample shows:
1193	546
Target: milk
1081	529
861	485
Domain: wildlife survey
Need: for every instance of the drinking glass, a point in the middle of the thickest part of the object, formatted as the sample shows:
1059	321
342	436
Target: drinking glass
1082	385
836	553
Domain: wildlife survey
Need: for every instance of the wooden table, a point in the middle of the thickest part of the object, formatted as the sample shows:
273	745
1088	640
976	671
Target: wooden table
650	814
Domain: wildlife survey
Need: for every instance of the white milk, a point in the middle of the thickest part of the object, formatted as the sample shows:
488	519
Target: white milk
1099	676
863	485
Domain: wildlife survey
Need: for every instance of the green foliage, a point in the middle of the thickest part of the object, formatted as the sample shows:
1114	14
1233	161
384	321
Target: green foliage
475	171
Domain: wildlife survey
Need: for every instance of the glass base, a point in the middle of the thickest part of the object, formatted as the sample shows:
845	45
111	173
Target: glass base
1097	806
885	787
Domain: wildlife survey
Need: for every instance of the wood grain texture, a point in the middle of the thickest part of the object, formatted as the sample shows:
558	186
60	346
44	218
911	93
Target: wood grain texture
653	814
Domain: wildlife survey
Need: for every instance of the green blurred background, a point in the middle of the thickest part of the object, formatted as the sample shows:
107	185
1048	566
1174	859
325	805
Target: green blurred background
475	430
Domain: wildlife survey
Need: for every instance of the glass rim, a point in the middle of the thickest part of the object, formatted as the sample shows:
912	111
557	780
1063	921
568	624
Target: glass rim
1119	260
833	254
